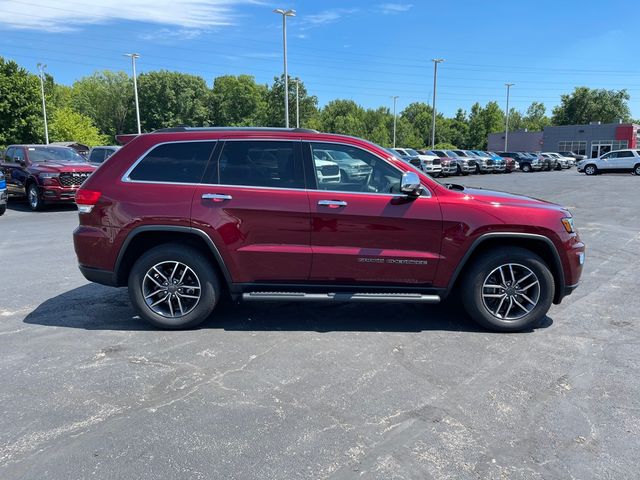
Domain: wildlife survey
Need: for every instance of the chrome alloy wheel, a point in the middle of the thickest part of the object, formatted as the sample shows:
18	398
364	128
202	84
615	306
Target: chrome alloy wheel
510	291
33	196
171	289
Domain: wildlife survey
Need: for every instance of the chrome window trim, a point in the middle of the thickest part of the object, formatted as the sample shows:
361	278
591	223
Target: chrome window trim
125	178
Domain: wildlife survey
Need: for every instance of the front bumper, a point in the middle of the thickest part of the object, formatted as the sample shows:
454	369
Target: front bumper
430	169
485	168
54	193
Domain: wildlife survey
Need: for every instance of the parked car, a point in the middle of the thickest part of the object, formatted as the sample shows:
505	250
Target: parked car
449	165
575	156
569	161
327	171
351	168
561	162
510	165
525	162
499	165
548	164
616	161
3	194
97	155
428	163
44	173
463	165
482	164
270	231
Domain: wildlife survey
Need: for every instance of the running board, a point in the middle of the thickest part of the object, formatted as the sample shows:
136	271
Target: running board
341	297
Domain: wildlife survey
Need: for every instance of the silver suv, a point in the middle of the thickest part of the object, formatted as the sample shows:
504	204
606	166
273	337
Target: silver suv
612	162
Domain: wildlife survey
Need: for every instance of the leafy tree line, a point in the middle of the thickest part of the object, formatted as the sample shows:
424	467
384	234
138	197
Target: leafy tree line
97	107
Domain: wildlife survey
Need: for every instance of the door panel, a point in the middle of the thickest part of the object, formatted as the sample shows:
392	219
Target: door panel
262	230
376	239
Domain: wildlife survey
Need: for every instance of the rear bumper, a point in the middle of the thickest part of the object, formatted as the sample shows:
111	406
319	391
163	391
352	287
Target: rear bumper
103	277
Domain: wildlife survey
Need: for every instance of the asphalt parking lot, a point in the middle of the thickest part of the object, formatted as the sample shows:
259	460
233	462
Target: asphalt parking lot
282	391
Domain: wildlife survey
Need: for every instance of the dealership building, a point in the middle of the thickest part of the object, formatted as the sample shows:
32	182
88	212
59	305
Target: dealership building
591	140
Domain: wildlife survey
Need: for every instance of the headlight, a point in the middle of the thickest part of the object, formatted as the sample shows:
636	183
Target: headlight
567	222
49	175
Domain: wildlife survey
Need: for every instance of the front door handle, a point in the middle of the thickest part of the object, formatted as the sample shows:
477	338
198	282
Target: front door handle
217	197
332	203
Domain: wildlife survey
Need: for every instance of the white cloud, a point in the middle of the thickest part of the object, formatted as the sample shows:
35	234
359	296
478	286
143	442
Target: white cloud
67	15
393	8
329	16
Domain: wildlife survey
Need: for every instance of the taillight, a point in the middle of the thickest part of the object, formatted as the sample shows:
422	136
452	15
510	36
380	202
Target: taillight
86	199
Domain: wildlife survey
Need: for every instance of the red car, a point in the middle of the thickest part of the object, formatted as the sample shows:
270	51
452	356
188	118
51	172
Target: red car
44	173
183	216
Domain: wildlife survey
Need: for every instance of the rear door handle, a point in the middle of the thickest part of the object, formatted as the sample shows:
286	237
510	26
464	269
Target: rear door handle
220	197
332	203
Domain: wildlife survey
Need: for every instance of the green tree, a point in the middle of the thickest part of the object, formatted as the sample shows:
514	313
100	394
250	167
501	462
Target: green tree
459	128
536	117
169	99
483	121
107	98
343	116
378	125
238	101
586	105
275	103
20	108
420	116
67	125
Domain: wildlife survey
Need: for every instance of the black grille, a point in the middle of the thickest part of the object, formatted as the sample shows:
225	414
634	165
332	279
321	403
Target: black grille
437	161
329	170
73	179
489	162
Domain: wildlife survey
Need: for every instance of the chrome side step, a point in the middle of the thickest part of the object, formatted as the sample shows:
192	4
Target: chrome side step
341	297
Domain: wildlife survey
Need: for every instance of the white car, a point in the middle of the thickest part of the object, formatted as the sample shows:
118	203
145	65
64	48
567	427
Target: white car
428	163
327	171
611	162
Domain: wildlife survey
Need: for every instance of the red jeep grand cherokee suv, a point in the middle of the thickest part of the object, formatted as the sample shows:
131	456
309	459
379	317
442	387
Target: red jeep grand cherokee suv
185	215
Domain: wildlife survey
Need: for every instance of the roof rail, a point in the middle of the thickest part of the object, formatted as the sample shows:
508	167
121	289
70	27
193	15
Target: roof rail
183	128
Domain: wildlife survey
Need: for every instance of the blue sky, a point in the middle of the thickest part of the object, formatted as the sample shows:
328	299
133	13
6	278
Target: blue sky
363	50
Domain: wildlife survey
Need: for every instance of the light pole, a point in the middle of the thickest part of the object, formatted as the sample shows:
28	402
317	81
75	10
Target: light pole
395	97
506	126
133	57
285	14
435	61
41	68
297	103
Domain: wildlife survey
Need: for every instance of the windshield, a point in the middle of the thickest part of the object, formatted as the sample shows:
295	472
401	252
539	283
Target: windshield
338	155
53	154
462	153
411	151
450	153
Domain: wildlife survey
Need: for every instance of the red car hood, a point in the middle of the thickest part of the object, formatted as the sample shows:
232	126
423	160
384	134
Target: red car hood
504	198
64	167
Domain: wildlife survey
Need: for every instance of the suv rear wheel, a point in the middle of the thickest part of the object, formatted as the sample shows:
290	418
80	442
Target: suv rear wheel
508	290
173	286
636	169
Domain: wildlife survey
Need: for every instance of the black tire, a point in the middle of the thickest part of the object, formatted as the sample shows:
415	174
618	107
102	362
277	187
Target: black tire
3	209
205	275
458	170
33	197
525	167
479	271
590	169
636	171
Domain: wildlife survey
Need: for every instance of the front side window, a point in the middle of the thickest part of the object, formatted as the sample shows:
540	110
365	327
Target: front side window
272	164
370	174
181	162
8	157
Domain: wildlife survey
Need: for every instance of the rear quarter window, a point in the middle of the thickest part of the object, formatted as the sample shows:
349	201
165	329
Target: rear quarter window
182	162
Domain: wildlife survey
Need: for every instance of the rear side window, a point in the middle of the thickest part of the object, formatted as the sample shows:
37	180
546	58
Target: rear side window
97	155
182	162
273	164
625	154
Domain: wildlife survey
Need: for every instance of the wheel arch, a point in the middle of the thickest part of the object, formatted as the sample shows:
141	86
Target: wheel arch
141	239
539	244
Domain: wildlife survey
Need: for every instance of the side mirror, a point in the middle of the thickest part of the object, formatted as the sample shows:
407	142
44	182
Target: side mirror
410	184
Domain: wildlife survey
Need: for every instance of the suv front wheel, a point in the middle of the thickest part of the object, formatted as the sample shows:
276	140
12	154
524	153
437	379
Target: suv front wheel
508	290
173	286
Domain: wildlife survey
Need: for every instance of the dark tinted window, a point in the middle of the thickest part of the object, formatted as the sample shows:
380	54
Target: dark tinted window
174	163
625	154
8	157
97	155
261	164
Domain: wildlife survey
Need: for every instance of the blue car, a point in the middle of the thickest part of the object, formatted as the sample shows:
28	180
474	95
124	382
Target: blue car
3	194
